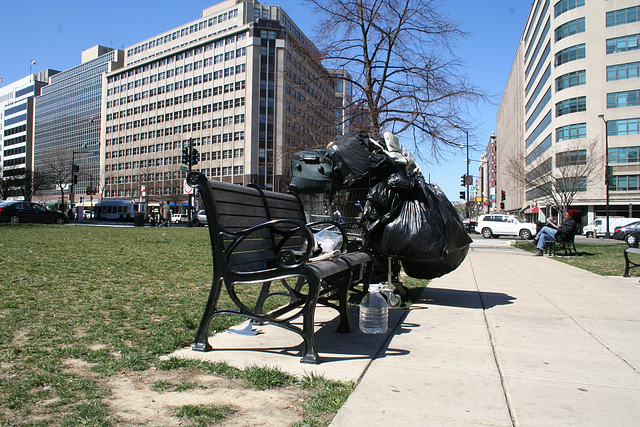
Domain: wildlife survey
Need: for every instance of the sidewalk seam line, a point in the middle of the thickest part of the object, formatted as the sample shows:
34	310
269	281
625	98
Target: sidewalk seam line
493	348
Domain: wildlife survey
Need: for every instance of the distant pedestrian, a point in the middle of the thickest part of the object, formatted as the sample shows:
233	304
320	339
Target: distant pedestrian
337	216
166	214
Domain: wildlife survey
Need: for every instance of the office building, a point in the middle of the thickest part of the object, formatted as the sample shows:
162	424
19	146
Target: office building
67	124
241	84
576	70
16	132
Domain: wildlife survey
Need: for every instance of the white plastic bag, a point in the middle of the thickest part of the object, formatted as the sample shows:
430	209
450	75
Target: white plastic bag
328	240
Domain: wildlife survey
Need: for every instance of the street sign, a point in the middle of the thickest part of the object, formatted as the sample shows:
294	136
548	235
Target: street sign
187	188
184	168
468	179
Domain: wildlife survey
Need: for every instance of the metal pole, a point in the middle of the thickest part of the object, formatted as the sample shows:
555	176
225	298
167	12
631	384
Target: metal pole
190	212
607	234
467	183
71	193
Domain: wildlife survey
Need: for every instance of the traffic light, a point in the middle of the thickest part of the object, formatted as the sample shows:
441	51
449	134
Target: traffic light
501	205
195	157
185	155
462	195
504	196
463	180
75	169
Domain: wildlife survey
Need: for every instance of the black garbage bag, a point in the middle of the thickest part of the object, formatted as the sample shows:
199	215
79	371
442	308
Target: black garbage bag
409	229
426	269
416	224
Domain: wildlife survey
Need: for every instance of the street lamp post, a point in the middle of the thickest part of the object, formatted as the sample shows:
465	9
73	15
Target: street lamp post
467	161
75	169
607	235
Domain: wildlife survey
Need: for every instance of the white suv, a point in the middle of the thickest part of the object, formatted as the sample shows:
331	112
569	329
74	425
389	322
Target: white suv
496	225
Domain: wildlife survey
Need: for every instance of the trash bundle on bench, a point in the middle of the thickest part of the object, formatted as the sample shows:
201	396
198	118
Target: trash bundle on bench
408	220
260	240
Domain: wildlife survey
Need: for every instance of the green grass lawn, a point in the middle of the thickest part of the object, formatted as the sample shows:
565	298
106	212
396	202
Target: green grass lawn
115	298
603	259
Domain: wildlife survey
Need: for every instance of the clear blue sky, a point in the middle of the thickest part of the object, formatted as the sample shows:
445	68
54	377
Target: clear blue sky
55	32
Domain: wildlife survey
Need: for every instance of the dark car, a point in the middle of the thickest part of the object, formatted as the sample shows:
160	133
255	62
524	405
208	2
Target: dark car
621	232
632	239
20	211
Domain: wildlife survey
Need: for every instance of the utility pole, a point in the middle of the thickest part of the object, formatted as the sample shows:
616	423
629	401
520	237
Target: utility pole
190	157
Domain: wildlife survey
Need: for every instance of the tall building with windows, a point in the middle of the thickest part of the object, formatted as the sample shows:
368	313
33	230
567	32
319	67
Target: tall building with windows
241	84
16	129
67	122
575	86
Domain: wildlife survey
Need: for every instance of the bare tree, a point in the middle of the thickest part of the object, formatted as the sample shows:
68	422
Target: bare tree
56	167
404	74
559	178
32	182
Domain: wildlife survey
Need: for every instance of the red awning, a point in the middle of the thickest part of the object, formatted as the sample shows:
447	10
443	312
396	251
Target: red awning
532	210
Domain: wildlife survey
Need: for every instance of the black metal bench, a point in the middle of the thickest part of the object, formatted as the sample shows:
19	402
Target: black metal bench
628	264
568	246
262	246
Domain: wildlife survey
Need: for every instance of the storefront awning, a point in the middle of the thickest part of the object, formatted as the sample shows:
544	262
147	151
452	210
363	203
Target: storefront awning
532	210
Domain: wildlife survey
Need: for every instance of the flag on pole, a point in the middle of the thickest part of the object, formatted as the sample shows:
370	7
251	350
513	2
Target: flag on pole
33	62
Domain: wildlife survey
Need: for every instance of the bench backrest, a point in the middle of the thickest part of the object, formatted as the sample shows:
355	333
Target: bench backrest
232	208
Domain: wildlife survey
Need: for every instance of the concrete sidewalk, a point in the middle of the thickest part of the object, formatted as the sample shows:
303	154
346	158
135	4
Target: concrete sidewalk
509	340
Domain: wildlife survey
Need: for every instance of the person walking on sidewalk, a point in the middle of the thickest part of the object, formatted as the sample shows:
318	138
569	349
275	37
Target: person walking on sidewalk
166	214
567	230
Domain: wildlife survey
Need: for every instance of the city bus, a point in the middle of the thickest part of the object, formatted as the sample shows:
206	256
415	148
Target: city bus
116	210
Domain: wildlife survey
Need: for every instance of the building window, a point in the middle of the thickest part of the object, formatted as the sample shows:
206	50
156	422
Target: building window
630	98
624	155
623	16
571	105
566	5
570	28
623	127
624	183
570	54
571	158
630	70
574	131
623	44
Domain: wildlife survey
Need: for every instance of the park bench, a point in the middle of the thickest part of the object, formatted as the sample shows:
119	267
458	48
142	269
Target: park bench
628	264
262	248
567	245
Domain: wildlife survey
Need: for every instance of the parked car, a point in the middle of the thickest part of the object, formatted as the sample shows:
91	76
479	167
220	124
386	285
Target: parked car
178	218
496	225
620	232
598	226
201	219
19	211
632	239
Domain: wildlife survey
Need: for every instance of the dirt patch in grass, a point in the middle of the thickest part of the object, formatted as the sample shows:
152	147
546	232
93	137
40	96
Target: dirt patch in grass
134	402
152	397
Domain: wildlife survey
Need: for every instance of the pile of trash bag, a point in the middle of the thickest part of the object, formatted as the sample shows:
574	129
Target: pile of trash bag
408	220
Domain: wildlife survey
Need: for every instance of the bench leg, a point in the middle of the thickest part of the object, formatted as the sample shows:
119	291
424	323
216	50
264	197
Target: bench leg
626	265
201	342
310	352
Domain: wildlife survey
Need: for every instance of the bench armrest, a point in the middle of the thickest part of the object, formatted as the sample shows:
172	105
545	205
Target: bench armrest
286	229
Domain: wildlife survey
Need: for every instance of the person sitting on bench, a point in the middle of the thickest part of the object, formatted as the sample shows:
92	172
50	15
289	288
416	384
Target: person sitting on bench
566	231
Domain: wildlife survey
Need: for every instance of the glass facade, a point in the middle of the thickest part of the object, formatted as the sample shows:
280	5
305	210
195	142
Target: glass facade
67	116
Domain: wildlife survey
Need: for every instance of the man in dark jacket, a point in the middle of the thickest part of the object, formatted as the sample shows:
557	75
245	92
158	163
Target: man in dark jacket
566	231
